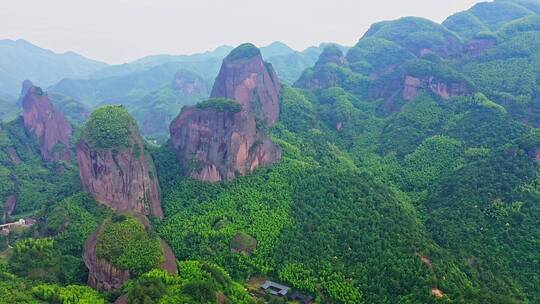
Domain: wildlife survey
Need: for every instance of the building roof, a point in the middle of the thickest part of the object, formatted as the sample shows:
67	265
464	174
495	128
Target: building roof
275	288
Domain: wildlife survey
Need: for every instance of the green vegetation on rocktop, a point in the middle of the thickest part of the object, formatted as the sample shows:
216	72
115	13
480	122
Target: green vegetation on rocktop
110	127
433	200
220	105
127	244
243	51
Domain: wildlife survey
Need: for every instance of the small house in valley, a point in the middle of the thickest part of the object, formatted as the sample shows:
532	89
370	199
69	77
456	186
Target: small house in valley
275	289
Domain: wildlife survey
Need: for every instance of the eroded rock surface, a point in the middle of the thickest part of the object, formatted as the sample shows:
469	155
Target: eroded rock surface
252	82
50	128
122	177
444	89
216	144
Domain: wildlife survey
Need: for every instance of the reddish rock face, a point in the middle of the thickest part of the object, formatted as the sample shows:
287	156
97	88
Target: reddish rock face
124	180
251	82
413	87
50	127
215	146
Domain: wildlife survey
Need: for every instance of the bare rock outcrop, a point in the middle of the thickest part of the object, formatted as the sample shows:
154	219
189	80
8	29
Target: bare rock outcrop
246	78
221	138
113	165
50	128
216	145
444	89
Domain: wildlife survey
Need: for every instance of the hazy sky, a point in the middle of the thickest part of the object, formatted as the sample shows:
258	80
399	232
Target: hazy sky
118	31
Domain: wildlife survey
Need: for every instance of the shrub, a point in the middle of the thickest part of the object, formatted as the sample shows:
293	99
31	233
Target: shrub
220	105
109	127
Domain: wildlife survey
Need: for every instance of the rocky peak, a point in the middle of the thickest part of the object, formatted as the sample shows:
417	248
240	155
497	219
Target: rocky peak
246	78
331	54
223	137
50	128
113	165
26	85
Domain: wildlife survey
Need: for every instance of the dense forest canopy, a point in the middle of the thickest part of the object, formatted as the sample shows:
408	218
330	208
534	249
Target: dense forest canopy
409	174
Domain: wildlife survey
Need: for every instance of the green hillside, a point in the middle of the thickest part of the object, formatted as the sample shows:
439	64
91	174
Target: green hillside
409	174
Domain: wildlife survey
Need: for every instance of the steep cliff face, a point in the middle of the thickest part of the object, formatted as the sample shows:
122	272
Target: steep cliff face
221	138
50	128
246	78
216	145
444	89
113	166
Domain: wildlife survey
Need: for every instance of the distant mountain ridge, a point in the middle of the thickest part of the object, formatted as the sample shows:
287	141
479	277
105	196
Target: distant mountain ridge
20	60
144	85
275	51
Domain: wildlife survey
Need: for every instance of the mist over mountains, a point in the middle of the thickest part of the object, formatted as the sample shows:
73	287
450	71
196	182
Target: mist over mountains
144	86
403	169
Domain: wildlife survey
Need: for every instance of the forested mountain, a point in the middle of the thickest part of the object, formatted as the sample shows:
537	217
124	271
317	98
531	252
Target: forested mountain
20	60
402	170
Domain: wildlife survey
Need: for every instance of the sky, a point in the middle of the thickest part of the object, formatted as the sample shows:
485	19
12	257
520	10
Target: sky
119	31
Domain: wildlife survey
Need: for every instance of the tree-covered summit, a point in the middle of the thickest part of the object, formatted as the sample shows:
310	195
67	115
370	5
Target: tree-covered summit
243	51
220	105
110	127
128	244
